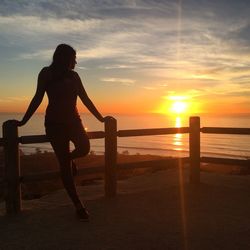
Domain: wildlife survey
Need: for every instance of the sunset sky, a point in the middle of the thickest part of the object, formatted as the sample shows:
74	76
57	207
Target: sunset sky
133	56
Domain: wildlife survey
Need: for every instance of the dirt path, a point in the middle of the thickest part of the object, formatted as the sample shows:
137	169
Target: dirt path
153	211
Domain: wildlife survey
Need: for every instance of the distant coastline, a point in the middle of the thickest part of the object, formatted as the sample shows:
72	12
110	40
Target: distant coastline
146	113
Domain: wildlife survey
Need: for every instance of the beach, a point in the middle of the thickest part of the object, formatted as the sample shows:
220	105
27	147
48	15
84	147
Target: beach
153	210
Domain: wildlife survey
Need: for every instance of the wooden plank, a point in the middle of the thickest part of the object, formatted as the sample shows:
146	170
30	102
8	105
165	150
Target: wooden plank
226	161
224	130
53	175
151	131
166	163
30	139
96	134
1	142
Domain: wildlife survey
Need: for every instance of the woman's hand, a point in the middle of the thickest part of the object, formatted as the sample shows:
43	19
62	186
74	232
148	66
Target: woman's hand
18	123
106	118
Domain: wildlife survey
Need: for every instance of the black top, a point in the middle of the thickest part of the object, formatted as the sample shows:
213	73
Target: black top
62	95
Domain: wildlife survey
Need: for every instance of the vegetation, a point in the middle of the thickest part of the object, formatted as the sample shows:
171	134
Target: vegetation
40	162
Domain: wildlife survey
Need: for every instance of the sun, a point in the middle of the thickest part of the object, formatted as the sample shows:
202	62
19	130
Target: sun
178	107
178	104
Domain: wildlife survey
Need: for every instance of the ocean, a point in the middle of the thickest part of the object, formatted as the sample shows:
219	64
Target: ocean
213	145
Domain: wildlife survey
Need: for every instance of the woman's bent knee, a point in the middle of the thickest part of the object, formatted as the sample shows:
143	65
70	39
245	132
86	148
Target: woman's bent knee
84	151
81	151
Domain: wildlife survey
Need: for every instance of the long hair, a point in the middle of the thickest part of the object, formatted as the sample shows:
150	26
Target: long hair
61	61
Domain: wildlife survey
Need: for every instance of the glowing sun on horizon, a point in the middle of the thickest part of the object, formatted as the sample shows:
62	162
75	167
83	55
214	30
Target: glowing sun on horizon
178	107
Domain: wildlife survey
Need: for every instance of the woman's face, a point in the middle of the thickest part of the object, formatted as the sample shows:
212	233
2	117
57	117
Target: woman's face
72	62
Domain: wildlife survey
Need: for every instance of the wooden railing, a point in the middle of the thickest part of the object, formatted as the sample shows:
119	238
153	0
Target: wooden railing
229	131
11	141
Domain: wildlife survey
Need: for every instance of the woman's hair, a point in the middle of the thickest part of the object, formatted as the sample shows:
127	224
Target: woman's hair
61	60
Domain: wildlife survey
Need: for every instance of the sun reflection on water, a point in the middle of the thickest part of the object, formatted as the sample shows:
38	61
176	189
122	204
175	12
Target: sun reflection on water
177	140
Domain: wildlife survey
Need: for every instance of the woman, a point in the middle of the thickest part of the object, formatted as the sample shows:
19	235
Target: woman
62	121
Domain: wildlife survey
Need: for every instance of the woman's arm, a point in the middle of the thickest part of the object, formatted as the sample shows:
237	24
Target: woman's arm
87	102
36	100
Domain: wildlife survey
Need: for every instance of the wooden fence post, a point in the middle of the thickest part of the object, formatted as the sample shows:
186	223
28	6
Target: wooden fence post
12	167
110	157
194	150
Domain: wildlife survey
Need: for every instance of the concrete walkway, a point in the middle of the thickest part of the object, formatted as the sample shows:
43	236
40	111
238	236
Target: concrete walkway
153	211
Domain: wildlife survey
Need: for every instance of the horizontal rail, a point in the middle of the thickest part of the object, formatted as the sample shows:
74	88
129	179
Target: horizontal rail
226	161
151	131
29	139
52	175
42	138
216	130
140	132
96	135
166	163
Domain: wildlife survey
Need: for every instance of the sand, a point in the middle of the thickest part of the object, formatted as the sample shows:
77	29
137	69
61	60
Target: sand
152	211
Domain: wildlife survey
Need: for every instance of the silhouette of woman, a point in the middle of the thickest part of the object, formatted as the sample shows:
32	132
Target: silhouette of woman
62	121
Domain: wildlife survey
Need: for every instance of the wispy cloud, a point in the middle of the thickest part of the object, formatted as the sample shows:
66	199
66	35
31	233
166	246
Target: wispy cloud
123	81
11	99
203	48
41	55
117	66
149	88
126	39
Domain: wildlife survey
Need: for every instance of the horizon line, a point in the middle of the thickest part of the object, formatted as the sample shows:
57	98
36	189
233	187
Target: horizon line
142	113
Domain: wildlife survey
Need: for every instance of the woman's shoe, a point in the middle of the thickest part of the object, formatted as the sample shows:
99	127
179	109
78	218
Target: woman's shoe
82	214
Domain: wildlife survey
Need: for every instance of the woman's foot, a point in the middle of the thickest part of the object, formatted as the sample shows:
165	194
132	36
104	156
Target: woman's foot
82	214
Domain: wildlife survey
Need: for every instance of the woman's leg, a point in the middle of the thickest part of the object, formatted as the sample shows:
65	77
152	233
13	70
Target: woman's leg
80	140
60	142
